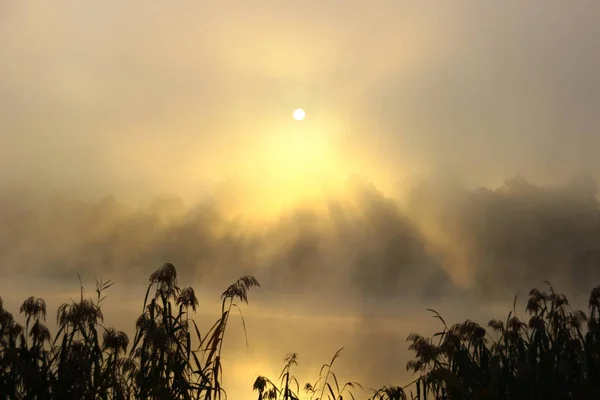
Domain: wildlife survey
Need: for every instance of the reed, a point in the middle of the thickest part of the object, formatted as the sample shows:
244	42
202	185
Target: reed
325	387
168	357
552	352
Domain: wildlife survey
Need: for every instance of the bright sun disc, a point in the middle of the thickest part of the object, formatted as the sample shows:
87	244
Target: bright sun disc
299	114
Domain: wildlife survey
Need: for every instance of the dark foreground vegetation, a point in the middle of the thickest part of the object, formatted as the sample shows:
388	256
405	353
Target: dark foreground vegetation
554	354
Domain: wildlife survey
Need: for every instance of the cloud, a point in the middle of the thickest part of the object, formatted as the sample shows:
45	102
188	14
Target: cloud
486	241
517	235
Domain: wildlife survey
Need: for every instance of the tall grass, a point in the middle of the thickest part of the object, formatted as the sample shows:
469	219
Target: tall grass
168	357
326	386
553	353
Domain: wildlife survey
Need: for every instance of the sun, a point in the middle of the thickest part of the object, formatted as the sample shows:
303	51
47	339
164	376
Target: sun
299	114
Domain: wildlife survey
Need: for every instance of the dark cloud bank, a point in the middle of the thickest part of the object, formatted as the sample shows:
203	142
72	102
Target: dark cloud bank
442	239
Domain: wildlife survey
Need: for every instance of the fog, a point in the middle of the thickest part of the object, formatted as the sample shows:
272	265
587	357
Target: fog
448	161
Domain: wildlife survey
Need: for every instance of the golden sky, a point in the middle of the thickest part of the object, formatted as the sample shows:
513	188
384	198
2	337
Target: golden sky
150	97
411	105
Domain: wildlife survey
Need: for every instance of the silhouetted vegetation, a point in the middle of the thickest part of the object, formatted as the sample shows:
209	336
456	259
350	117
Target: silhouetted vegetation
554	354
168	357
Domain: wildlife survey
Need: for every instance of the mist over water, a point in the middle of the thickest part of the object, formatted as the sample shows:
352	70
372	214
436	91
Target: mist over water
357	272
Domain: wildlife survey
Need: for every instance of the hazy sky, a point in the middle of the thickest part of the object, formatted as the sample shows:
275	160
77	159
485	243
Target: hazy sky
193	99
149	96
